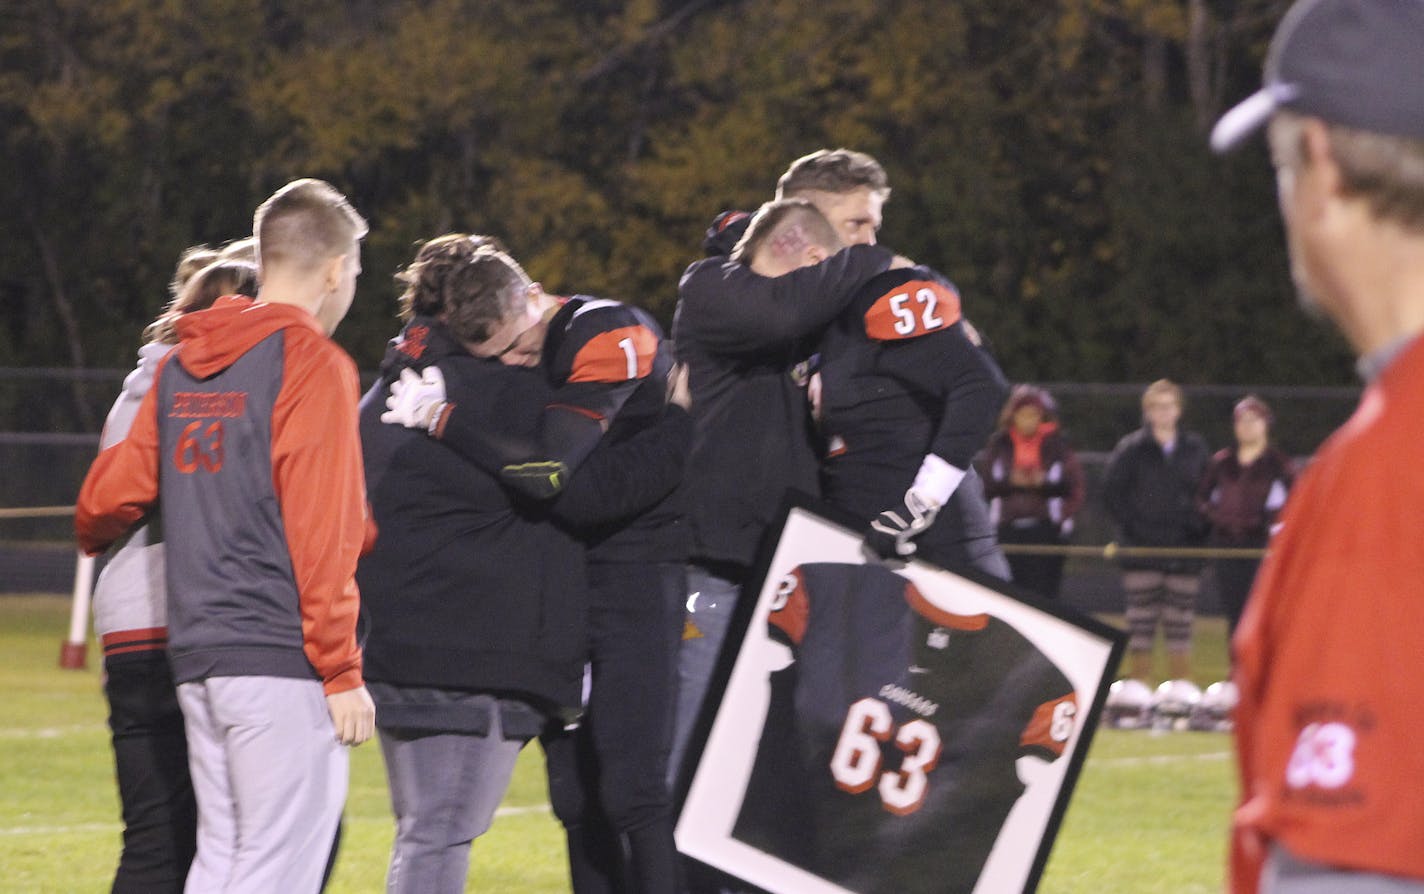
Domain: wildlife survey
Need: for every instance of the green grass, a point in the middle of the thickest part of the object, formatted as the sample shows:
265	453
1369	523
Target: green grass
1149	815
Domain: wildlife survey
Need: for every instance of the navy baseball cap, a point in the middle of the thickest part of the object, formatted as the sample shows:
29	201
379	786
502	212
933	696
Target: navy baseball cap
1358	63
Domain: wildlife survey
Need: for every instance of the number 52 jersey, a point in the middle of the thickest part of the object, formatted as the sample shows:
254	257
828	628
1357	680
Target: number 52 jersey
887	759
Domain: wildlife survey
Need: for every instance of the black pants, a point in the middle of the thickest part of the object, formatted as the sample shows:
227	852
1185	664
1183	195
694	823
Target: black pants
1233	584
1039	574
151	762
608	778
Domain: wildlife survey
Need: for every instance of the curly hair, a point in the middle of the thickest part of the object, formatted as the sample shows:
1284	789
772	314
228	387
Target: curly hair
468	281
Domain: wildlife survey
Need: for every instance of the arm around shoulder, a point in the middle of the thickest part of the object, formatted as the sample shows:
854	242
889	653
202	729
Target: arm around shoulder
733	310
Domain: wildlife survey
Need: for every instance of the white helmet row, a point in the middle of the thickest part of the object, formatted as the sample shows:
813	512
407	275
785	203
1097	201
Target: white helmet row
1173	703
1213	711
1127	705
1176	704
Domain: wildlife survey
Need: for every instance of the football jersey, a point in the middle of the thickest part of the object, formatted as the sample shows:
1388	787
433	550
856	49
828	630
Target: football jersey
887	761
596	355
904	375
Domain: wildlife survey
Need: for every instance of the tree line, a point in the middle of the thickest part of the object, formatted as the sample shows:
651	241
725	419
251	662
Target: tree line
1049	157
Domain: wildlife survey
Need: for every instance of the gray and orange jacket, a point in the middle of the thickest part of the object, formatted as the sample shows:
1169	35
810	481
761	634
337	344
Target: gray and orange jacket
249	438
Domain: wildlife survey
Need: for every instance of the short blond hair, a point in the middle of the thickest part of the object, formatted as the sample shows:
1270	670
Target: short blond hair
783	226
1162	388
835	171
1385	171
304	224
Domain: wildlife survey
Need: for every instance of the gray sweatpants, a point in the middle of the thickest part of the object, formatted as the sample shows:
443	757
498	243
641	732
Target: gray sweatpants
1286	874
270	780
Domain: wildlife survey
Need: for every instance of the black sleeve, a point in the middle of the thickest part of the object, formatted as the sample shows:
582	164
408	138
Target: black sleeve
619	480
730	309
494	433
974	390
1117	480
571	423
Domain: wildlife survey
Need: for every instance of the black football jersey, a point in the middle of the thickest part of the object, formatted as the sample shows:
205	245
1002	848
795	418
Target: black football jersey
887	761
601	357
903	375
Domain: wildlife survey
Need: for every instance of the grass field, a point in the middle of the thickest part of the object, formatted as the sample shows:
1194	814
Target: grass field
1149	814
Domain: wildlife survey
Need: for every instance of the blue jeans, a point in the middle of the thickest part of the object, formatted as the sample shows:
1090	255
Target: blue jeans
711	601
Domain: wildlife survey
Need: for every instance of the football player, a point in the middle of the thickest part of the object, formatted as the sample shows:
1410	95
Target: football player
907	395
745	339
608	373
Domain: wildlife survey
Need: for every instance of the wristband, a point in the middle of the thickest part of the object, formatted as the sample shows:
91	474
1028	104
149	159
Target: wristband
936	481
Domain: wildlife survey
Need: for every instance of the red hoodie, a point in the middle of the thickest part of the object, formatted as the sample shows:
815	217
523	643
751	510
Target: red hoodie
316	468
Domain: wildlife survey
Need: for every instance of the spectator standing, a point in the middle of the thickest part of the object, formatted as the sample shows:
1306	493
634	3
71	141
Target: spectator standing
1332	709
1244	488
255	412
1035	486
1150	488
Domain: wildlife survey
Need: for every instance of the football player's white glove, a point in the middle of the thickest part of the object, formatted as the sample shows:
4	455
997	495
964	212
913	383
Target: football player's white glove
416	401
891	535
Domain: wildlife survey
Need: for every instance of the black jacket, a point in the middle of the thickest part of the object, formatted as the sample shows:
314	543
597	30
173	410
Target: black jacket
469	586
1152	496
743	336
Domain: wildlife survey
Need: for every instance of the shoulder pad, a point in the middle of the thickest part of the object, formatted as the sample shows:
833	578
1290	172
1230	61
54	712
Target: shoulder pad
910	309
606	341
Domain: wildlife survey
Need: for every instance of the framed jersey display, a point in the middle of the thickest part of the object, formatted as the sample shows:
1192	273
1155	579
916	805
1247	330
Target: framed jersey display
891	727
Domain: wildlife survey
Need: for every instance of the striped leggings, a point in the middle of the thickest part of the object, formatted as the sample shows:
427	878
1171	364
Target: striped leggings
1159	597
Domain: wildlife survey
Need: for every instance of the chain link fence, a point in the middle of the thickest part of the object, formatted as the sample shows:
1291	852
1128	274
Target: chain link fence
50	421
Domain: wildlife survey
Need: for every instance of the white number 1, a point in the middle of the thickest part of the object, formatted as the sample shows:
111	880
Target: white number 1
628	351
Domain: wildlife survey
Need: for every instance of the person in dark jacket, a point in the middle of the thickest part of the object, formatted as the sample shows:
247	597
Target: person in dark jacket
608	368
1150	488
477	593
746	340
1245	486
1034	483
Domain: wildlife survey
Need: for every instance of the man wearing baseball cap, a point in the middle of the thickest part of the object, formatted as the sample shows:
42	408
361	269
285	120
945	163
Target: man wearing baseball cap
1331	717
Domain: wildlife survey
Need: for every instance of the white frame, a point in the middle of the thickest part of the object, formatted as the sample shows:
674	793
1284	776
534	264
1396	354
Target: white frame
1084	649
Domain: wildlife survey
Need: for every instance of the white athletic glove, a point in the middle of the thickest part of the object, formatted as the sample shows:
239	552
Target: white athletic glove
891	534
416	401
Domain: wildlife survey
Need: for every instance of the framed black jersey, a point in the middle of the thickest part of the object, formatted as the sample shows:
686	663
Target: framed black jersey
891	728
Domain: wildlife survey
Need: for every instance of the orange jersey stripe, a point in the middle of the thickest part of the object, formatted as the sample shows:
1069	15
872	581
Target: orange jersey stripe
617	355
1051	725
